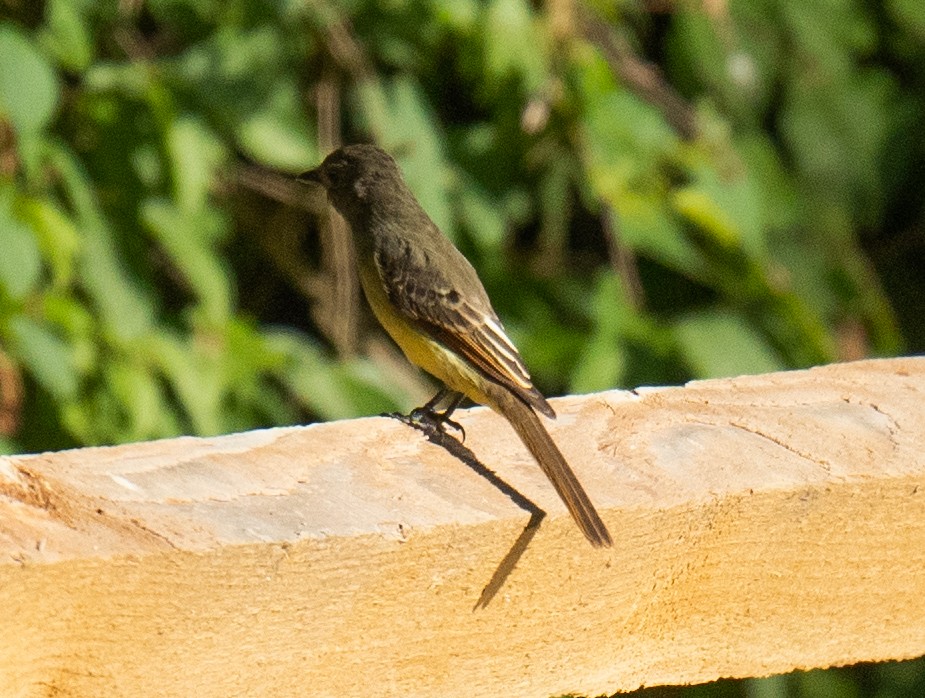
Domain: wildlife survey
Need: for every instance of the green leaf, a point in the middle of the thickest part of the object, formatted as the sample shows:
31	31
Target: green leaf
130	79
482	219
602	362
244	80
66	36
695	53
186	237
277	134
600	366
829	683
78	323
830	32
647	226
194	378
460	16
334	390
628	137
46	356
143	406
195	155
628	145
513	46
126	311
698	207
20	261
909	13
837	134
8	447
57	236
28	84
718	344
775	185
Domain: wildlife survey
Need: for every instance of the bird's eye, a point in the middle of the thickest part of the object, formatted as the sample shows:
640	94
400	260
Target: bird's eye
338	175
334	176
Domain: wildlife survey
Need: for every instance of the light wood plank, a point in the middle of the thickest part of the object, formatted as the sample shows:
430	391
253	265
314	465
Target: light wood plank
761	524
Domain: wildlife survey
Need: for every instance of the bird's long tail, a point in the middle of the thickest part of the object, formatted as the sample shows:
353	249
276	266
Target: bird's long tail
535	437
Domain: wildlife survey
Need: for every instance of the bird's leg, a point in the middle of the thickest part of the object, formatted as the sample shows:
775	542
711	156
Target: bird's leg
439	419
427	418
430	406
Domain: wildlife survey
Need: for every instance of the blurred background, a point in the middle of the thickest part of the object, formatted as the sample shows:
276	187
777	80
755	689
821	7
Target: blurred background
651	192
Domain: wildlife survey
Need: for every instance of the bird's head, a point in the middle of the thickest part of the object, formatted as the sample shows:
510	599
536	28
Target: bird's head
350	174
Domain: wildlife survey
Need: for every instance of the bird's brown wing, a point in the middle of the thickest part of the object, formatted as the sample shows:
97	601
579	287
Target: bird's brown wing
456	312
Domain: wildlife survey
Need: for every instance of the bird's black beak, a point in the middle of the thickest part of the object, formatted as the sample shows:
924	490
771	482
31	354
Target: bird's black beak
312	176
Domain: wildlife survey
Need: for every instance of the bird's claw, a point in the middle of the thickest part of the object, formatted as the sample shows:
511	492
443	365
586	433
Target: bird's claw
429	421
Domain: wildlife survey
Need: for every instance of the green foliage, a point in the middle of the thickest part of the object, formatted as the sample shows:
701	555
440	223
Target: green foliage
138	298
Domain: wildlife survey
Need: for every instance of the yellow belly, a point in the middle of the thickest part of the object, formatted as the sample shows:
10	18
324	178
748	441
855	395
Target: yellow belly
421	350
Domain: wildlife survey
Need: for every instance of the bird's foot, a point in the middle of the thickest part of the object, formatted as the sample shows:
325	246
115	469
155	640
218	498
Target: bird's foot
430	421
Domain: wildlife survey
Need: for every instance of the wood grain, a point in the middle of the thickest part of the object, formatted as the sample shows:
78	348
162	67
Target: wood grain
761	524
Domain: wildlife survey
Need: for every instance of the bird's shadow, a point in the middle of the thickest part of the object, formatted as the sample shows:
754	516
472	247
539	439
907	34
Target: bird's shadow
436	434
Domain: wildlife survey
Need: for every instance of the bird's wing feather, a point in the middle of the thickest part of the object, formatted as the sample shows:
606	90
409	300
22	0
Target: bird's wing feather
456	312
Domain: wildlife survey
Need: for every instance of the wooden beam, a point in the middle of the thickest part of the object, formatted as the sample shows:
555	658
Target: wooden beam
761	524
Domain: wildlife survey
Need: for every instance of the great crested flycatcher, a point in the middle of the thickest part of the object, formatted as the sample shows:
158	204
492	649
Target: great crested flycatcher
430	300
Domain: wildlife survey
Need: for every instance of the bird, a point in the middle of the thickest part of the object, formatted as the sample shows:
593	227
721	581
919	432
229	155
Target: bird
429	299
